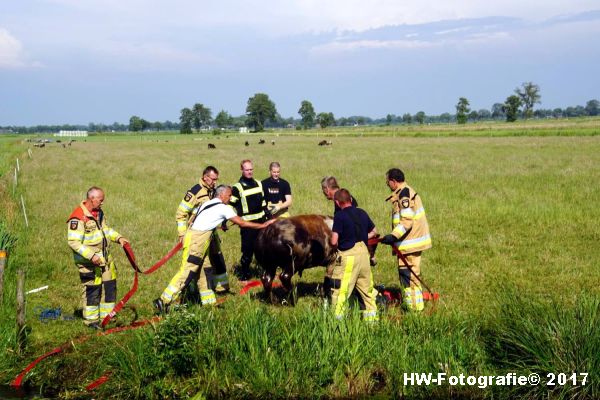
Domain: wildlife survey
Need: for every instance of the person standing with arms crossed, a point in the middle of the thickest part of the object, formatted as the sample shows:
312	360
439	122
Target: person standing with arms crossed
277	192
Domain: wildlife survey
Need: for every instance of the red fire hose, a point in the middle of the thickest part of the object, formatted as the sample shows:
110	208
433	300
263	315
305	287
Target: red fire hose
429	294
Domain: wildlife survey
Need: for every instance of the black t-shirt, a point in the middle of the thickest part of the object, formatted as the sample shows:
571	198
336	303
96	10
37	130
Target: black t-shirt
349	223
337	208
275	191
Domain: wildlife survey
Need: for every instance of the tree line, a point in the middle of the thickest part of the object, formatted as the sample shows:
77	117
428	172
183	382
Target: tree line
261	113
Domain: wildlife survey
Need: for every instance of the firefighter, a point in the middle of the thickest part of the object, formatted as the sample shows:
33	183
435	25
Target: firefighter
352	227
410	235
192	200
278	193
250	204
88	236
329	186
196	243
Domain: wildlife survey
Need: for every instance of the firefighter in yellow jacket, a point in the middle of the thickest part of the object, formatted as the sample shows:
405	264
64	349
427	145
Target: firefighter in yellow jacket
88	236
189	205
196	243
410	235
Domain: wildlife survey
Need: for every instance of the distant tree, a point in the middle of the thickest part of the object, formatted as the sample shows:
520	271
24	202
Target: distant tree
260	109
407	118
474	115
146	124
307	114
388	119
343	121
557	113
577	111
202	116
223	119
420	117
157	125
135	124
498	111
462	109
484	114
445	117
186	120
325	119
511	108
530	95
592	108
360	120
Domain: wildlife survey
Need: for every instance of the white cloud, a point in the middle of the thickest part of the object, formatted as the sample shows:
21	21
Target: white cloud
11	52
283	17
153	56
341	46
348	46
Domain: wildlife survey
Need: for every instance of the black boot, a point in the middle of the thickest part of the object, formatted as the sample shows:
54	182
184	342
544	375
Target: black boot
161	308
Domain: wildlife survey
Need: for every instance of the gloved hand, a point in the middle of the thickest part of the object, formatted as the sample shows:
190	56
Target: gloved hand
389	239
274	210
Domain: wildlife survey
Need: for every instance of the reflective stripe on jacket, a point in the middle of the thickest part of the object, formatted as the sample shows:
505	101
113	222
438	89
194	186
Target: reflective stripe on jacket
193	199
88	236
409	222
248	199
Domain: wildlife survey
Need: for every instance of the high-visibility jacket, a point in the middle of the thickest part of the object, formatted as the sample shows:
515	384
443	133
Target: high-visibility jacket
409	222
247	197
89	236
193	199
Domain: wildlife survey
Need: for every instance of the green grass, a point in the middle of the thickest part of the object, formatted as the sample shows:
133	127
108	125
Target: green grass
505	212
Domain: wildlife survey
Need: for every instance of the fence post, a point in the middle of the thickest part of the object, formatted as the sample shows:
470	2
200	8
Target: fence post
2	265
21	334
24	212
18	166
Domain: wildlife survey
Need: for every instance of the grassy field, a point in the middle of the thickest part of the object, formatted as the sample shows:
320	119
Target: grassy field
514	221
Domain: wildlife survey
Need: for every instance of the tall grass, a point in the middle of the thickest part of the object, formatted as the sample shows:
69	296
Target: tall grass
246	350
549	339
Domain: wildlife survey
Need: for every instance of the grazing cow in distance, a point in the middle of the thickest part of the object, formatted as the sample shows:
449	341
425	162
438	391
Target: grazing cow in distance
273	142
261	141
293	244
246	144
39	145
325	143
211	146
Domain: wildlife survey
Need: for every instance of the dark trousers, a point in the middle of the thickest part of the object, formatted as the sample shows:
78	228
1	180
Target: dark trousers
248	236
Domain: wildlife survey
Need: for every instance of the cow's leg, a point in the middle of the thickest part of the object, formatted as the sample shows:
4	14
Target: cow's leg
267	281
286	280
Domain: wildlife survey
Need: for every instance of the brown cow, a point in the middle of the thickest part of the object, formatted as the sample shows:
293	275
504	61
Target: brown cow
293	244
211	146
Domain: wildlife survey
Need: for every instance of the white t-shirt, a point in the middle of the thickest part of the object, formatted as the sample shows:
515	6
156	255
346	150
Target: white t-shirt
208	220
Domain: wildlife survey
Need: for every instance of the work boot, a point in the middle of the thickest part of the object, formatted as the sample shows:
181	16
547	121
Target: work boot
160	306
95	326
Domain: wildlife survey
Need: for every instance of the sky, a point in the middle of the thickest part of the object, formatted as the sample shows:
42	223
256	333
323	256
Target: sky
102	61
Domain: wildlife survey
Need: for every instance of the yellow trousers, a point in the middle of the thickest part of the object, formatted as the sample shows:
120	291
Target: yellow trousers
195	249
352	270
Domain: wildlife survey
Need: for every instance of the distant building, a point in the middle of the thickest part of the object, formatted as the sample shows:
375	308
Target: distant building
71	133
244	129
